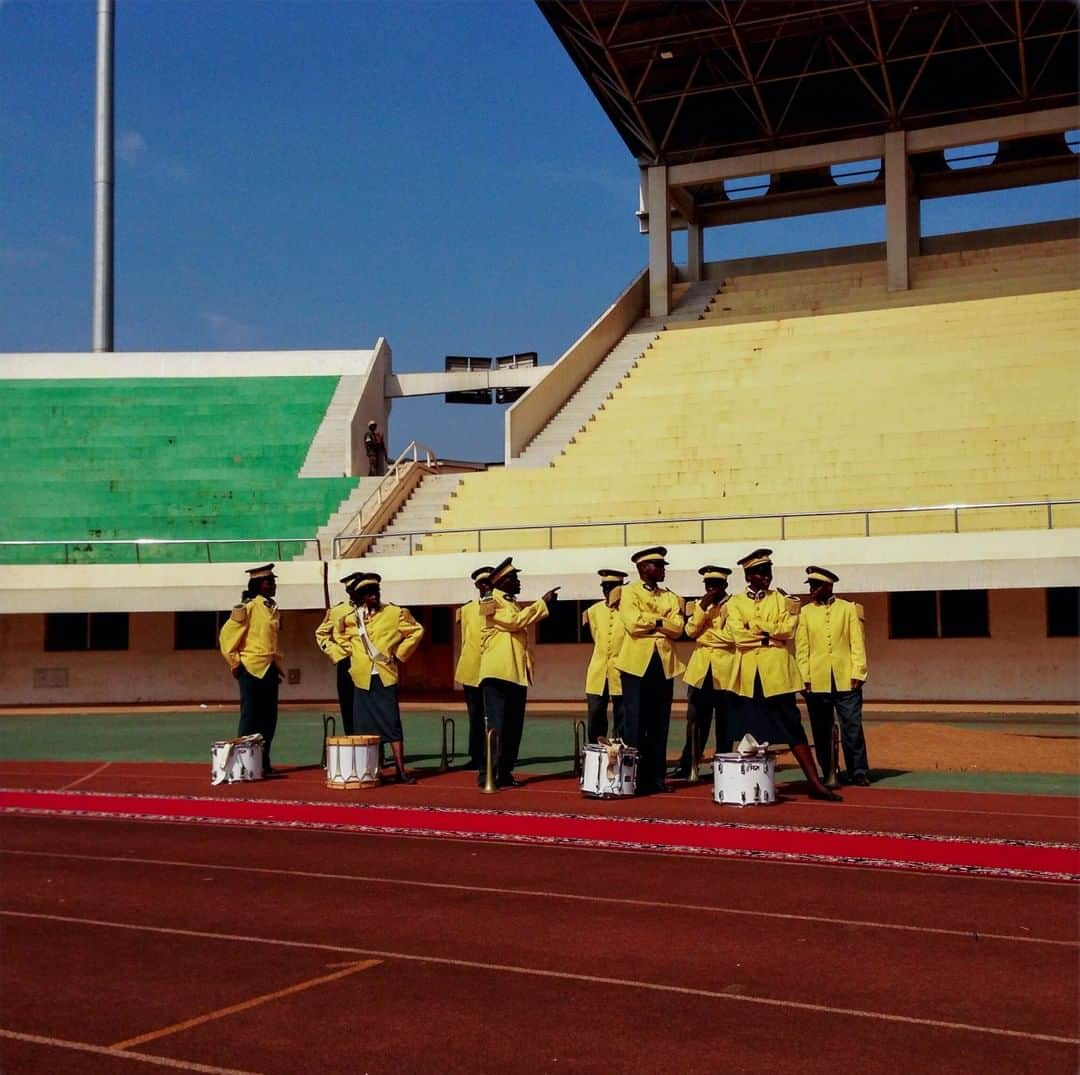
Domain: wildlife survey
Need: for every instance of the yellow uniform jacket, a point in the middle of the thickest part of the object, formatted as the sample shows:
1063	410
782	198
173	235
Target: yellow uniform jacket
250	636
504	642
332	635
715	649
473	626
830	645
608	633
393	633
640	610
775	662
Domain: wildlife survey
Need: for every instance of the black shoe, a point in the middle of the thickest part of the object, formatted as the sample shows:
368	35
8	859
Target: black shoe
679	773
825	795
861	780
663	789
510	782
404	778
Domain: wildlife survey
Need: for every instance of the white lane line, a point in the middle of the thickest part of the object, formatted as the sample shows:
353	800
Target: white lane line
87	776
121	1054
565	976
544	894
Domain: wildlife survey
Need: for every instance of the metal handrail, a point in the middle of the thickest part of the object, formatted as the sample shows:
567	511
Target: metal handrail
394	473
701	520
139	542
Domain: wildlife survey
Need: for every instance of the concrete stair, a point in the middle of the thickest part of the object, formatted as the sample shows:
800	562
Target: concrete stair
550	442
336	523
328	455
417	515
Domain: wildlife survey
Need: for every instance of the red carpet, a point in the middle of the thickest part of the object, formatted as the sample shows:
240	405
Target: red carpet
1001	858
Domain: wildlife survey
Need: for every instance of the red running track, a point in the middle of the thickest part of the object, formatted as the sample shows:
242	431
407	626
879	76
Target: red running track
130	946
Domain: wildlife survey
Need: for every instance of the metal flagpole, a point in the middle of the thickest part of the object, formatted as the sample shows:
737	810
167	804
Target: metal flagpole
103	181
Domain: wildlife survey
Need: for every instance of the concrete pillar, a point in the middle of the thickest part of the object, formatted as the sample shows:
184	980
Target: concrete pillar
901	222
695	252
914	218
659	206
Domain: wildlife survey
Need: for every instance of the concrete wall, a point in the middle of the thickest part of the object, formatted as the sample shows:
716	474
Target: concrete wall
372	405
65	366
1017	663
993	560
150	671
542	402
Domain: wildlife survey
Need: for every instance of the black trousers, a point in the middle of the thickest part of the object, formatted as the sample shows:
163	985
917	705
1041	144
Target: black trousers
474	705
848	707
345	690
646	718
258	707
504	710
596	705
701	703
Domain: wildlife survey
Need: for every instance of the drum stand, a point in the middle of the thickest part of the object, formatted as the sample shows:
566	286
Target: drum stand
581	737
329	728
694	774
446	758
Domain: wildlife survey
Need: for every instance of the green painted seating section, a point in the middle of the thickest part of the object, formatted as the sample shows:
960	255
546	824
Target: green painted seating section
163	458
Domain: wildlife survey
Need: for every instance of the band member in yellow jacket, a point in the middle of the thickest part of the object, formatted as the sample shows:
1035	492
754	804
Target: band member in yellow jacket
648	665
506	665
762	623
710	668
467	672
386	636
333	637
602	679
830	648
249	644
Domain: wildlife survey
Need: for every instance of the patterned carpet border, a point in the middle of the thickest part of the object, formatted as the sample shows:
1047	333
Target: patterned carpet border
522	830
475	811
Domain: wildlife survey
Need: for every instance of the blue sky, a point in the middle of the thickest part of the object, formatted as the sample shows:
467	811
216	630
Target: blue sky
318	174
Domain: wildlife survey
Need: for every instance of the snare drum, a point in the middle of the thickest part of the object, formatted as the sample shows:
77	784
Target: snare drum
744	779
609	772
232	760
352	761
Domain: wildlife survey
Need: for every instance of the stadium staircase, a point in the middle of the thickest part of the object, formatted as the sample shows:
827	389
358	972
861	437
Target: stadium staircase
419	514
199	459
820	391
691	303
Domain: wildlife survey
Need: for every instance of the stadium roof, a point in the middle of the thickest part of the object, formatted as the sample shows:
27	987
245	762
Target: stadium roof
688	81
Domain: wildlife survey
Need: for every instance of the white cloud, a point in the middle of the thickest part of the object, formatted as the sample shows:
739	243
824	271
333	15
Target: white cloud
131	147
133	150
229	334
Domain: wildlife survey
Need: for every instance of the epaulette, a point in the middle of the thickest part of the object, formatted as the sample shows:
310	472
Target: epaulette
794	605
859	611
239	613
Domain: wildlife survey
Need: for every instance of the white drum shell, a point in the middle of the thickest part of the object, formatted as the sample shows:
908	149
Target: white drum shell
233	761
744	781
595	781
351	765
